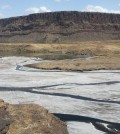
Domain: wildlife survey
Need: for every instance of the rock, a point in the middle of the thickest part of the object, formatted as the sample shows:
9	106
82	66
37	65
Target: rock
108	129
60	27
28	119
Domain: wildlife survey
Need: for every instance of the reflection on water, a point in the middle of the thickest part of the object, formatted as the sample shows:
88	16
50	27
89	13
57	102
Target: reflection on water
6	54
48	56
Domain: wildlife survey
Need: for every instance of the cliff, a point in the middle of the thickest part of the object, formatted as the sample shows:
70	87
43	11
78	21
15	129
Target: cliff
28	119
60	27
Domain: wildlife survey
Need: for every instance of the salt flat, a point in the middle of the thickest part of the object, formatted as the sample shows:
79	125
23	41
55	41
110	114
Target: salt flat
94	94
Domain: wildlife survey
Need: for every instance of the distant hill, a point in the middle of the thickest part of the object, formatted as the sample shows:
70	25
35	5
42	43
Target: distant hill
60	27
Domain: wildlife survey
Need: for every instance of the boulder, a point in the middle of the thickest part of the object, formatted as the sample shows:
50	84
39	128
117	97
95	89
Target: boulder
28	119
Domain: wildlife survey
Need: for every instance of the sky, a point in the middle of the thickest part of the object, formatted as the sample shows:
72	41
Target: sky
11	8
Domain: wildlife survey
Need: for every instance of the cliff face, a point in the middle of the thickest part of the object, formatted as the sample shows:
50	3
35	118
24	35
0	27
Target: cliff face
60	27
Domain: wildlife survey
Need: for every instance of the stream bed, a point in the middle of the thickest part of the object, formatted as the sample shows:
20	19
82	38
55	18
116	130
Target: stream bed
89	102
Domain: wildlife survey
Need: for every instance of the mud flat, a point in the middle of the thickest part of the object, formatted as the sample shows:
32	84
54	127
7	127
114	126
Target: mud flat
88	101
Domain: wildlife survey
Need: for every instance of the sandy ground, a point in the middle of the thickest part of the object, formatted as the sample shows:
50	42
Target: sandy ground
93	94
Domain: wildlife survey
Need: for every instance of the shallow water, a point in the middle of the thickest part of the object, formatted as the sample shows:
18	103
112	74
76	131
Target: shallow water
91	96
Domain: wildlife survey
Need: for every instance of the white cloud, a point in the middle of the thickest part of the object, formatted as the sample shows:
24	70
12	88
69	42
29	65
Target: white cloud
6	7
1	16
37	10
91	8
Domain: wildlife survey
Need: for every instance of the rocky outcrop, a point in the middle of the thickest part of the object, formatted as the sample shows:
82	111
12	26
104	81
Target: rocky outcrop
28	119
60	27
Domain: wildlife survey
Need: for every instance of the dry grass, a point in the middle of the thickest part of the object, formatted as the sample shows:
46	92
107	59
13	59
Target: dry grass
107	52
105	63
92	48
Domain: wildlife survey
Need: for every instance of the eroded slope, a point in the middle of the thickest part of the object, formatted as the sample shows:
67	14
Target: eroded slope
60	27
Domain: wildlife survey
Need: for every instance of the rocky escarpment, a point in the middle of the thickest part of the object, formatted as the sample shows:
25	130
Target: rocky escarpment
60	27
28	119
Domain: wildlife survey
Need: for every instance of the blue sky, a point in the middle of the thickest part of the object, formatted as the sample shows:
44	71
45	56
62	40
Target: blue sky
10	8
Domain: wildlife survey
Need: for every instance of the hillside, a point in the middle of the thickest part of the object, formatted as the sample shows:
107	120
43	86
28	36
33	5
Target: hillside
60	27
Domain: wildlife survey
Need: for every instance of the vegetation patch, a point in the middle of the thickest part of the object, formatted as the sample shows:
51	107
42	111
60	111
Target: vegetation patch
83	56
